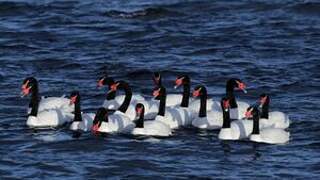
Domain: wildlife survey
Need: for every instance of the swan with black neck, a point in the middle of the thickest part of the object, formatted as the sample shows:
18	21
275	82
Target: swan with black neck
81	121
237	108
267	135
149	128
42	117
30	85
113	101
172	116
276	119
206	119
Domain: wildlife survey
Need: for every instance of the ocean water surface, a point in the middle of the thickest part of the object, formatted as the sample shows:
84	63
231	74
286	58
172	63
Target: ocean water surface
273	46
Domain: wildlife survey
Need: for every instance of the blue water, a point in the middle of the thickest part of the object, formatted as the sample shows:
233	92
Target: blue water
273	46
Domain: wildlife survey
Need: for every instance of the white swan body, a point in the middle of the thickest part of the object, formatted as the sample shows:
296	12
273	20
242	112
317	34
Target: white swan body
213	120
48	103
85	124
235	132
117	122
153	128
271	136
277	120
211	105
175	117
239	129
49	118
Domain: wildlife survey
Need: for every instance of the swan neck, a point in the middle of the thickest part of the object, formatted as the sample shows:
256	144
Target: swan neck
140	121
186	94
226	119
77	112
265	111
34	104
203	105
128	95
255	129
233	101
162	104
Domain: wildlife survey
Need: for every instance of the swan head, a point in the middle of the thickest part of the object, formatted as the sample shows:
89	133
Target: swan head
225	104
199	91
104	80
139	109
159	92
140	115
251	112
181	80
264	100
118	85
157	78
101	115
74	97
235	83
114	87
29	85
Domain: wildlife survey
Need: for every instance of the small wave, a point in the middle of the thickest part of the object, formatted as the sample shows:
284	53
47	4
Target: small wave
149	12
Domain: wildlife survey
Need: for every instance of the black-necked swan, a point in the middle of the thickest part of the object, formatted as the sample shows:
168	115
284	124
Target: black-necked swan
172	116
267	135
238	108
30	85
113	101
275	118
175	99
151	127
206	119
81	121
238	129
47	117
245	125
